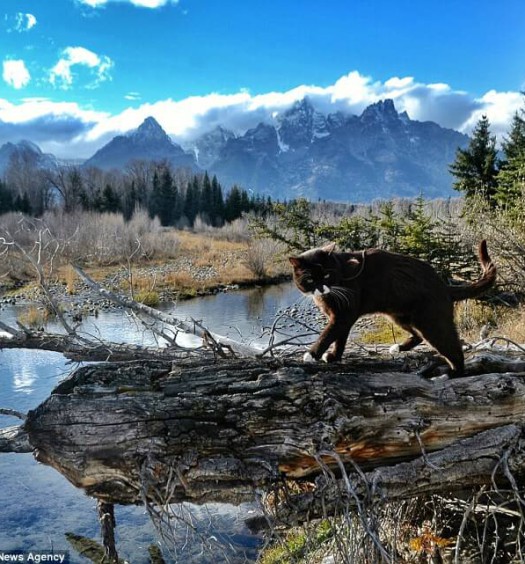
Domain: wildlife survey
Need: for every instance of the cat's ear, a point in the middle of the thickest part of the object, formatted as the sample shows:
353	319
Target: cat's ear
329	249
295	262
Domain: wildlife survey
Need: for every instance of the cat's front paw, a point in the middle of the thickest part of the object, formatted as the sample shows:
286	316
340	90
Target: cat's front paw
308	357
328	357
394	349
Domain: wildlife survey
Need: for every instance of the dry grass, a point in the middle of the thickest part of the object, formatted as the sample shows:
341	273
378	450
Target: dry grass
512	325
381	331
34	317
70	278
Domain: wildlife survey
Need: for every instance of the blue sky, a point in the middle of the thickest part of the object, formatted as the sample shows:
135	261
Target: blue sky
77	72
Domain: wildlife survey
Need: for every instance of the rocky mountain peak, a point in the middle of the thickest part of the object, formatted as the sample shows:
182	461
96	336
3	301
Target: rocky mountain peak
148	142
384	110
301	125
28	146
26	151
208	147
150	130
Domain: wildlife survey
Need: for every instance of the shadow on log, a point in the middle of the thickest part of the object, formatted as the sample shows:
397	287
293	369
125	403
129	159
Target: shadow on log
208	430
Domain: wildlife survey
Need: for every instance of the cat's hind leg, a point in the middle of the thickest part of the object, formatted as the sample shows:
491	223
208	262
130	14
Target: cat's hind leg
439	331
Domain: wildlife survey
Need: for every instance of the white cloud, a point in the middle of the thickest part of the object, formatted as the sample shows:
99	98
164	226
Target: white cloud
132	96
93	3
61	74
15	73
152	4
499	107
69	130
24	22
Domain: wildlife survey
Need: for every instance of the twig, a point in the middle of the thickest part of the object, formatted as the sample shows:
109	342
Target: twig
12	413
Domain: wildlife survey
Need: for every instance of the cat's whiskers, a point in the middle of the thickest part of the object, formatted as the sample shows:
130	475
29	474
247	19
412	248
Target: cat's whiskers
343	295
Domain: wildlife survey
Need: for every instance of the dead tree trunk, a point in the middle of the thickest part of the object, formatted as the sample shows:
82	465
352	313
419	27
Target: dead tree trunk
213	430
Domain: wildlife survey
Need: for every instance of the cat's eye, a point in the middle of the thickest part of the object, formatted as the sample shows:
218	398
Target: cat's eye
309	280
326	276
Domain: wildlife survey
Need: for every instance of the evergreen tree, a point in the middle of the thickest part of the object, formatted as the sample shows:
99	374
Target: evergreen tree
245	202
514	145
206	200
22	204
217	202
168	198
110	200
191	200
233	204
155	198
475	167
6	198
511	177
130	201
389	226
418	238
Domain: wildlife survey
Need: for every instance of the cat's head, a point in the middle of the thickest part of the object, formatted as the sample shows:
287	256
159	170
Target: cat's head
317	270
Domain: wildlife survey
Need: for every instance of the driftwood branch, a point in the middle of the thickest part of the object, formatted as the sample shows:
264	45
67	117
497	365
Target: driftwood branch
14	439
217	430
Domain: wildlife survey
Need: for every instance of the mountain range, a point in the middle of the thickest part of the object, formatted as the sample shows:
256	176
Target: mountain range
24	152
304	152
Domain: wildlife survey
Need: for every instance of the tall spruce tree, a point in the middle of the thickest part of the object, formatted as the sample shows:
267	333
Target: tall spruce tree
217	202
6	198
206	200
191	200
233	204
476	167
511	177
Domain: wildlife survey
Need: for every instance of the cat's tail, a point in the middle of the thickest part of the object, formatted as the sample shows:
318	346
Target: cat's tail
482	284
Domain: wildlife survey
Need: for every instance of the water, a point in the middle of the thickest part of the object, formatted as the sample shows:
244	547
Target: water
38	506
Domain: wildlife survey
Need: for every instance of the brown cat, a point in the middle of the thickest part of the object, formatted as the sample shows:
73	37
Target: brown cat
347	285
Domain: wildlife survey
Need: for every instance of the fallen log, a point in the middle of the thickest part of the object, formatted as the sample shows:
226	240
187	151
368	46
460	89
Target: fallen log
216	430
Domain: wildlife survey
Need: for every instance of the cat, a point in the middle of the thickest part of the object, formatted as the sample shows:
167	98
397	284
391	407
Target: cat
347	285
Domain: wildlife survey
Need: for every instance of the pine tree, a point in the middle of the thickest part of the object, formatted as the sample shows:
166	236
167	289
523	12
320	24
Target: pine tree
130	201
206	210
154	199
110	200
22	204
233	204
418	238
191	200
217	202
167	198
389	226
476	167
511	177
6	198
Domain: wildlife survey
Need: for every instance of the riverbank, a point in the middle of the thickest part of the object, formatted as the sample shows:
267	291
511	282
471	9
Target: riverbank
203	265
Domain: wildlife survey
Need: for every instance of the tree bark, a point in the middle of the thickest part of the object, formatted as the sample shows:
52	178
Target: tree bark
215	430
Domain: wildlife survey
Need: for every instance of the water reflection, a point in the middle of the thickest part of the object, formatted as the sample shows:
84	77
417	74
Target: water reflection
23	381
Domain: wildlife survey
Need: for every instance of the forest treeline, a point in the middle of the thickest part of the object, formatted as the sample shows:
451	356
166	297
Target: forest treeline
176	197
